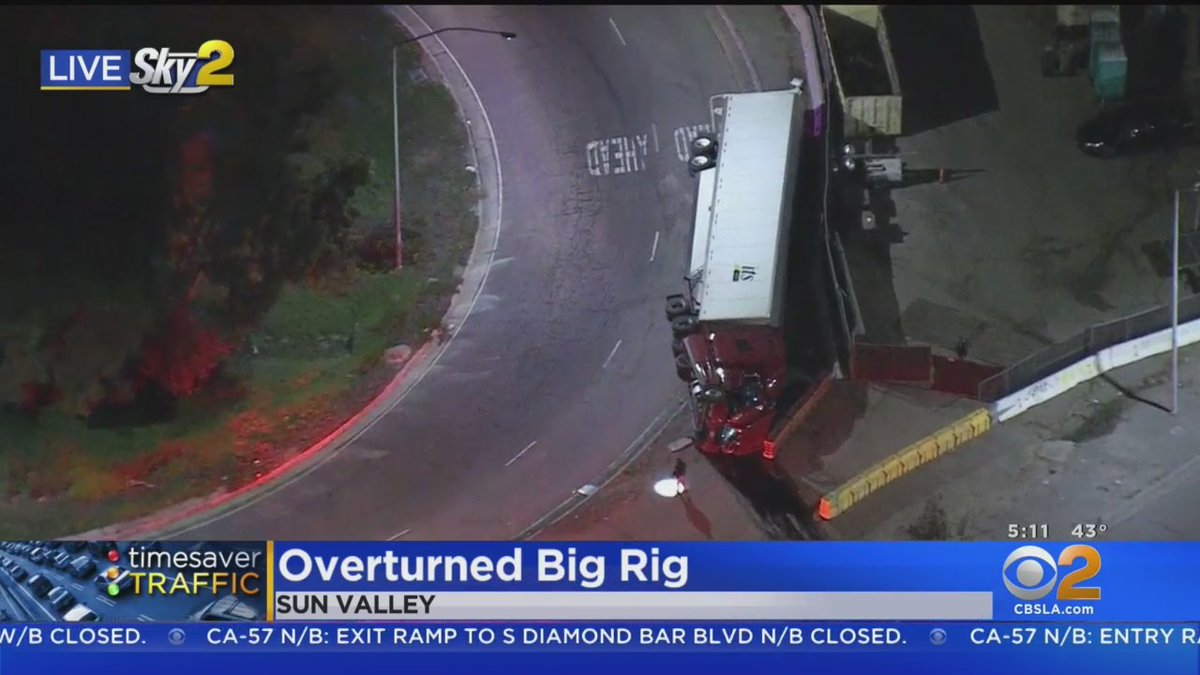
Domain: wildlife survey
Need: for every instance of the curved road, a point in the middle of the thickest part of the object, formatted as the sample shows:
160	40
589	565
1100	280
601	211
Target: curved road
566	348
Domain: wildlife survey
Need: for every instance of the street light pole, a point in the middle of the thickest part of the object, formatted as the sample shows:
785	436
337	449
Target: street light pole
1175	308
1195	192
396	118
396	148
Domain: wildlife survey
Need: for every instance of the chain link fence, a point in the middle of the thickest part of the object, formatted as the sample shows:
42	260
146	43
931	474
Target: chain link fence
1054	358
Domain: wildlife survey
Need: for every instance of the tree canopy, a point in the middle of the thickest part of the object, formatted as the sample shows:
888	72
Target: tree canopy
145	234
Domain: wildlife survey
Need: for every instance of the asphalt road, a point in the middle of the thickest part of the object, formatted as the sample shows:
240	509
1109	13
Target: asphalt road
565	359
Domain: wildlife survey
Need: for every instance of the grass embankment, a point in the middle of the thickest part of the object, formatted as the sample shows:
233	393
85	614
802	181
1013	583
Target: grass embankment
314	361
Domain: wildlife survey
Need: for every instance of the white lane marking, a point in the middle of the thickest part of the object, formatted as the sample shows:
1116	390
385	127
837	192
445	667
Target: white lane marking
399	534
618	32
654	248
325	458
739	46
110	603
618	155
611	354
685	135
143	617
632	451
78	586
518	455
654	132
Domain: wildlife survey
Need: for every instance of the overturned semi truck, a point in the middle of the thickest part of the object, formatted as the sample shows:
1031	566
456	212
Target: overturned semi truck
728	344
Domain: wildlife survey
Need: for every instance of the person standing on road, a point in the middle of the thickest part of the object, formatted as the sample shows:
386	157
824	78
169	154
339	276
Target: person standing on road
679	474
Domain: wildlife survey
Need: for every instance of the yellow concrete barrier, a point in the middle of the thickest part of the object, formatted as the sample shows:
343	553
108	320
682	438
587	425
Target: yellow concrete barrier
933	446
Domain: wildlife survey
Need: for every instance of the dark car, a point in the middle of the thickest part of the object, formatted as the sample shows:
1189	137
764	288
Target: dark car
109	575
123	580
40	585
1135	127
38	556
74	546
225	608
101	548
61	599
5	617
83	567
144	546
63	561
19	573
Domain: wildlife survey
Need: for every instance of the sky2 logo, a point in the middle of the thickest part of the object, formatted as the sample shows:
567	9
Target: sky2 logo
1031	573
165	72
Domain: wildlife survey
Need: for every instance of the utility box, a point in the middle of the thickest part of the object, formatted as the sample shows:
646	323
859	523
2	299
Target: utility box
1109	70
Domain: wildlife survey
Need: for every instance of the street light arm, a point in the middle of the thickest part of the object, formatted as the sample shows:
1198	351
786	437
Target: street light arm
501	33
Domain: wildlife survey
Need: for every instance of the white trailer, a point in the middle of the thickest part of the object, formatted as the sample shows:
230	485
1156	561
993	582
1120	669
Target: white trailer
744	209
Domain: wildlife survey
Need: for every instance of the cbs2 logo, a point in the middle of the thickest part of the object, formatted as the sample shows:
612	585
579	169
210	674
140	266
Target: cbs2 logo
1036	572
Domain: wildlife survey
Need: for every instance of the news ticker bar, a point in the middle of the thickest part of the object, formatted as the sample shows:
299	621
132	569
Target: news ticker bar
633	606
606	636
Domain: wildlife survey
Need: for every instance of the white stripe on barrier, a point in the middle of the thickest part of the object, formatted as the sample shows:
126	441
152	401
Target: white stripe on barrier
1103	361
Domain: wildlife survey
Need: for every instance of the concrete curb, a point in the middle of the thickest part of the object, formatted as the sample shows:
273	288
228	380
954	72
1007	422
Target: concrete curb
802	22
979	422
179	519
924	451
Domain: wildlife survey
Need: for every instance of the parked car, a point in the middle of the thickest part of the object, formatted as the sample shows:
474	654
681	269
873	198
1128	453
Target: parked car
5	617
101	548
40	585
74	546
1136	127
38	556
17	572
144	546
123	579
61	599
62	561
80	613
83	567
108	576
225	608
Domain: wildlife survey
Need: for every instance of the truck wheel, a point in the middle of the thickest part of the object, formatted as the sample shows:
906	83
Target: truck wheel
677	306
684	326
677	348
683	368
711	395
704	144
699	163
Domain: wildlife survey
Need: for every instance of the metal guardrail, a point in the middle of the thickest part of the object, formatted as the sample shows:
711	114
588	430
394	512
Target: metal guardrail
1046	362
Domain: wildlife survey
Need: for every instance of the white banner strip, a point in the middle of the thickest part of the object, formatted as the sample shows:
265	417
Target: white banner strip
633	606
